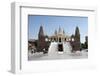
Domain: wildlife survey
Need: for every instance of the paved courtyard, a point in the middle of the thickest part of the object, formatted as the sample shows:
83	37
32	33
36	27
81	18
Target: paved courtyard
41	56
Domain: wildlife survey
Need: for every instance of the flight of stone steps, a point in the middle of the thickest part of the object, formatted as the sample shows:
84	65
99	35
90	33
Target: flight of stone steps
67	47
53	48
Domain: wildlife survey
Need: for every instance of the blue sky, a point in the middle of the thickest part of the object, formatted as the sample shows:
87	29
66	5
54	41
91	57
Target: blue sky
51	23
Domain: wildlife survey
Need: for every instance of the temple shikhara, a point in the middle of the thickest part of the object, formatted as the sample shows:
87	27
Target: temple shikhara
57	43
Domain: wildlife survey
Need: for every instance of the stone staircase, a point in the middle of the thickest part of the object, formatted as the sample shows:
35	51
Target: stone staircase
53	48
67	47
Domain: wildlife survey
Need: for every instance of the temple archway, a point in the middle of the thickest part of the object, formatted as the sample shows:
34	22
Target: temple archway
60	39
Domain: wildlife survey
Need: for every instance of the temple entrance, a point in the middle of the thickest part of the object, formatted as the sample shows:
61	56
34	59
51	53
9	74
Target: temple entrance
59	39
60	47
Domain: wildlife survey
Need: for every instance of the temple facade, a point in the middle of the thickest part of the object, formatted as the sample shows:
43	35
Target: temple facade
59	36
43	42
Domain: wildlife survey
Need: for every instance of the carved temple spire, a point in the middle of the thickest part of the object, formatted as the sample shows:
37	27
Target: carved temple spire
63	31
77	33
59	30
76	39
41	32
55	32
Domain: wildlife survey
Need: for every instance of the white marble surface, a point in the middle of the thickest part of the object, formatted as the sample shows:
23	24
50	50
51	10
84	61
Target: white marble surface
76	55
